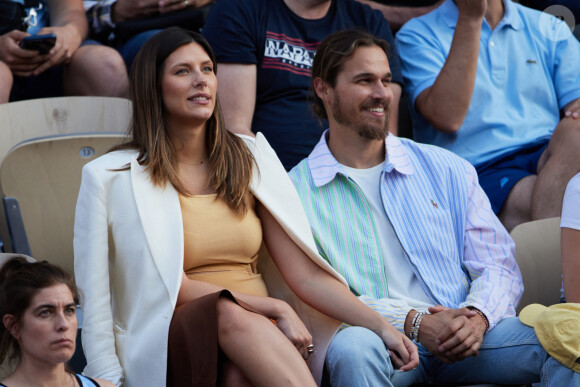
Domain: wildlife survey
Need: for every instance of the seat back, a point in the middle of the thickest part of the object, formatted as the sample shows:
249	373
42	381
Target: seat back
23	120
44	175
539	257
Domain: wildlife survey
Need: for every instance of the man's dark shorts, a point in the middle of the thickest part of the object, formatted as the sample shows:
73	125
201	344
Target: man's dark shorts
498	176
45	85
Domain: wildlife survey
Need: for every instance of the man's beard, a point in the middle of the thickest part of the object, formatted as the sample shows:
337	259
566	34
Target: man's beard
377	131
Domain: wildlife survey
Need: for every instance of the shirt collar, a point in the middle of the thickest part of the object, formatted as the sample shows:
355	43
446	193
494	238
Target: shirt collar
324	167
511	18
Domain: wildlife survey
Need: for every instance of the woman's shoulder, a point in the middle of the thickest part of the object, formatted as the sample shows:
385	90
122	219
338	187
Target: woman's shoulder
117	159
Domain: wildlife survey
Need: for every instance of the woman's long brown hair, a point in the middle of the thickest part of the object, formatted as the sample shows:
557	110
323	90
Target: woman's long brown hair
230	161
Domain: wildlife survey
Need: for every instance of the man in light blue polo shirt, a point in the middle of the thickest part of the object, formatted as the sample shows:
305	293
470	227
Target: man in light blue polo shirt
489	80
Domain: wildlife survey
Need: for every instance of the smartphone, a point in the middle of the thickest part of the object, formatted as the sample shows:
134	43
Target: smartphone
42	43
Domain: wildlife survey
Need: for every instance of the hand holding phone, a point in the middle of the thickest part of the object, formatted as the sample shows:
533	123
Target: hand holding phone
42	43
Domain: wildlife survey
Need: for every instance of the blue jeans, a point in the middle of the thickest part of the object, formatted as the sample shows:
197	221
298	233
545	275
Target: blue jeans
510	354
131	47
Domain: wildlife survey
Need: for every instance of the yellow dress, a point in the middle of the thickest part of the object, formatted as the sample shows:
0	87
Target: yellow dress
221	247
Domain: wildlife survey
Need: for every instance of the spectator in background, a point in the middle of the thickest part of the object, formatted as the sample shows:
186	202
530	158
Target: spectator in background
570	225
489	82
70	68
265	50
105	15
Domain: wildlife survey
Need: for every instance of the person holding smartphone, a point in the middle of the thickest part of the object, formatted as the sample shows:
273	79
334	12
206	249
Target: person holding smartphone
70	67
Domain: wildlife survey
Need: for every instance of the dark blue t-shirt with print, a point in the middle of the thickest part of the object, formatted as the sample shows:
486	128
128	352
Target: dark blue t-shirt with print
282	46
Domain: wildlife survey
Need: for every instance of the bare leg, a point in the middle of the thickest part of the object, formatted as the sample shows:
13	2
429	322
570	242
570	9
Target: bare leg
517	207
96	70
231	376
559	163
571	263
6	81
259	349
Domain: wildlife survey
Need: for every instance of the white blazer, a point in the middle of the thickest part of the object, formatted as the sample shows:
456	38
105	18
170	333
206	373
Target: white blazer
128	247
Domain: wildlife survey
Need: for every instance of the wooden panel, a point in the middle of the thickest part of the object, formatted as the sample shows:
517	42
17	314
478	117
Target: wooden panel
20	121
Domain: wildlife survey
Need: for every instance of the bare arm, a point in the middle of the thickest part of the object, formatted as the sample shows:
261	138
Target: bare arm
69	13
394	109
445	104
571	263
397	16
237	94
325	293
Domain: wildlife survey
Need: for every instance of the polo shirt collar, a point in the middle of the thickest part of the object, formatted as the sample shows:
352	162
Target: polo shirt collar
324	167
450	13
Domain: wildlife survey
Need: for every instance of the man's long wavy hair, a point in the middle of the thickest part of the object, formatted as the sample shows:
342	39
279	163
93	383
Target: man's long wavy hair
332	54
230	161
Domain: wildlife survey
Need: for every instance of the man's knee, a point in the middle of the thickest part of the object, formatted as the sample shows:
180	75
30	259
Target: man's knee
564	142
6	81
99	68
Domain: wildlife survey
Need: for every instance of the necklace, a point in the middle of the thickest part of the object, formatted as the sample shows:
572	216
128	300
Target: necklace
200	163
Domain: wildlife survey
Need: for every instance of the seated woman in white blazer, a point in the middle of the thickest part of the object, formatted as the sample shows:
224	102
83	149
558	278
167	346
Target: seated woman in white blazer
168	221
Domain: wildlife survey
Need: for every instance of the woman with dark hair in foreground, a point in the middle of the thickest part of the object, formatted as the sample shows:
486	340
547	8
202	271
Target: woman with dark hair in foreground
39	325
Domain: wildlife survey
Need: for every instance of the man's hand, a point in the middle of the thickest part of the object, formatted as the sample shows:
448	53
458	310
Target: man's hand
461	335
68	41
573	109
473	9
21	62
462	338
435	332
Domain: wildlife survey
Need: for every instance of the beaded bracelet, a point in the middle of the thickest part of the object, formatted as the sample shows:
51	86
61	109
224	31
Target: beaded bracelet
414	333
483	316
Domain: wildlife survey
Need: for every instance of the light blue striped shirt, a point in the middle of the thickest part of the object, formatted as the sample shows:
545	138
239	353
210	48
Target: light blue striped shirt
459	250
